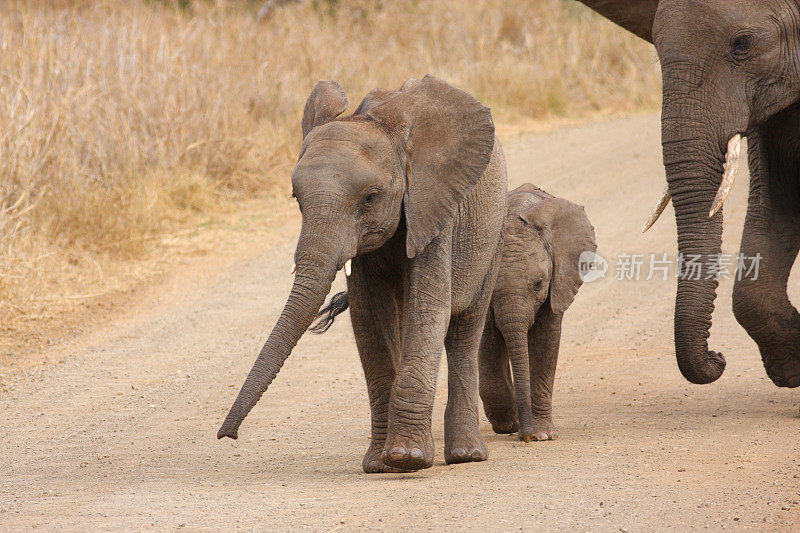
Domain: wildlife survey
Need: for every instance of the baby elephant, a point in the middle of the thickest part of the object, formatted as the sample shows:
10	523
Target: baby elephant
539	276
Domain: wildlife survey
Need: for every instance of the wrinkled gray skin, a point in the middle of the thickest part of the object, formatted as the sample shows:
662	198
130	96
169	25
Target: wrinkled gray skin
539	277
730	66
412	187
543	239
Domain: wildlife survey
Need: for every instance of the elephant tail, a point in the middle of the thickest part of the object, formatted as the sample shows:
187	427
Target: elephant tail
337	305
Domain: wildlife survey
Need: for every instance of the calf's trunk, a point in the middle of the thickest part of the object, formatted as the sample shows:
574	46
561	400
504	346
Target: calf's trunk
313	278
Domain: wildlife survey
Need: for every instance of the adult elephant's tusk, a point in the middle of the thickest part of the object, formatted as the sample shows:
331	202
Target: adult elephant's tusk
348	267
731	166
657	210
294	268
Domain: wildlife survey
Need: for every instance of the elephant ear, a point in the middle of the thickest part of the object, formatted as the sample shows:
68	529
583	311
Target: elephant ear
373	99
636	16
326	102
378	97
410	83
445	137
572	234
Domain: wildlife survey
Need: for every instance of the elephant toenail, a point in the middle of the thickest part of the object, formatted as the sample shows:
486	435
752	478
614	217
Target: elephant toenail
459	453
398	452
477	455
416	453
373	466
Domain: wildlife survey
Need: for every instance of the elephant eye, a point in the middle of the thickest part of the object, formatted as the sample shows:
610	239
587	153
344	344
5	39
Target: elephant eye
370	198
740	45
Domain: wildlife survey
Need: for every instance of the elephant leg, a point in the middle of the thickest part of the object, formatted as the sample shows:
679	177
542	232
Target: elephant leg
761	304
375	318
496	388
425	318
544	340
463	441
772	231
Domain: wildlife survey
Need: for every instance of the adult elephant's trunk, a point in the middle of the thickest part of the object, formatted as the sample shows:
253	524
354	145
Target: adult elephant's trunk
313	278
694	165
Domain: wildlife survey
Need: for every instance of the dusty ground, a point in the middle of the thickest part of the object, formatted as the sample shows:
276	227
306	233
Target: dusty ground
118	431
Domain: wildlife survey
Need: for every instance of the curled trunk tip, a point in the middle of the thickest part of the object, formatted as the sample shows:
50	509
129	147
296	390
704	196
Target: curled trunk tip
706	371
692	168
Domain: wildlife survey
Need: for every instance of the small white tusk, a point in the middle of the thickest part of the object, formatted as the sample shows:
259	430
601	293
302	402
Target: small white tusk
348	267
294	268
657	210
731	166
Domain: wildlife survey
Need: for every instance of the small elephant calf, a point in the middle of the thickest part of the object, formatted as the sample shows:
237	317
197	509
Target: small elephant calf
539	276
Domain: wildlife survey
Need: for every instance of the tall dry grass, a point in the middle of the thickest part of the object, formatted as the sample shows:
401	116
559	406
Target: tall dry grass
119	120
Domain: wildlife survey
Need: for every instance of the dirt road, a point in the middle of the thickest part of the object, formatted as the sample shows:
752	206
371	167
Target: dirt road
120	431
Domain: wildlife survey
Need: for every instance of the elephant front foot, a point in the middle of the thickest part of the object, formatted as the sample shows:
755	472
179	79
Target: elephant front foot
407	453
465	446
504	422
372	463
782	364
775	326
541	429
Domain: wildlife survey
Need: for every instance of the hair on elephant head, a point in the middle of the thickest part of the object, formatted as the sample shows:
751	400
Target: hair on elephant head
730	69
409	155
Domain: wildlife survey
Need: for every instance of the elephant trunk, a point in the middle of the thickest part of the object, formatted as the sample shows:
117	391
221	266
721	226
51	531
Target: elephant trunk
314	275
694	169
512	323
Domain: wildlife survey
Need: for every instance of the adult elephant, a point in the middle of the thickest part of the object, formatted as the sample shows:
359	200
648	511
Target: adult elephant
730	68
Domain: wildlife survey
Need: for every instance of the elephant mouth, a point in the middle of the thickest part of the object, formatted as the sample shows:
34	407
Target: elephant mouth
372	240
731	166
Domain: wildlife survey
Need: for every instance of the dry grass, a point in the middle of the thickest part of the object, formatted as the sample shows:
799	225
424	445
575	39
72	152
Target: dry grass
120	120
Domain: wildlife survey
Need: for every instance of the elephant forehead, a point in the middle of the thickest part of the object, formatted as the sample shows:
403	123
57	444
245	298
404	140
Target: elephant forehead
525	243
349	139
331	163
358	135
337	164
681	20
523	262
520	239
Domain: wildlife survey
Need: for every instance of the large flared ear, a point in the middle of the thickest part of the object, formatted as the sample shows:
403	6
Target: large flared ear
572	234
636	16
326	102
446	138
